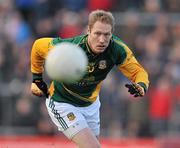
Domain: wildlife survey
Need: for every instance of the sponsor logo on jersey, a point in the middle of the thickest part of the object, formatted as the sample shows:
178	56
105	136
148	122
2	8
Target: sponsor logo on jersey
71	116
102	64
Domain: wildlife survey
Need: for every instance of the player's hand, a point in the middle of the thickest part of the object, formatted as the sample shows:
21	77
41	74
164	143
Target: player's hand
39	88
135	89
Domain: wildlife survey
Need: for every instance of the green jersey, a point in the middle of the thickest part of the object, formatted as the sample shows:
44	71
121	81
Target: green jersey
85	91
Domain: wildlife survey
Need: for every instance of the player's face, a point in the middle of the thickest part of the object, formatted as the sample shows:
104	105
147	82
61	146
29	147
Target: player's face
99	37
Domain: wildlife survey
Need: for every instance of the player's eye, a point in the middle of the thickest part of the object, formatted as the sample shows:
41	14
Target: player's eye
107	34
97	33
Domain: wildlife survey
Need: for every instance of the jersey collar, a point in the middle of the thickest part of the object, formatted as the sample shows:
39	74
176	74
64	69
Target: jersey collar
88	47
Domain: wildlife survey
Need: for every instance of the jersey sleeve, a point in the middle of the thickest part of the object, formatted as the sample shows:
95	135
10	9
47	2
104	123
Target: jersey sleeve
132	69
42	46
39	52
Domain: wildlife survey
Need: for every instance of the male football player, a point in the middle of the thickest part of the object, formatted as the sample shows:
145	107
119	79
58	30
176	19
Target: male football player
74	108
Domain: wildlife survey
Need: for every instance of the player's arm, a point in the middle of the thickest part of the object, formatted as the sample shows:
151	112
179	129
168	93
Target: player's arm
134	71
39	52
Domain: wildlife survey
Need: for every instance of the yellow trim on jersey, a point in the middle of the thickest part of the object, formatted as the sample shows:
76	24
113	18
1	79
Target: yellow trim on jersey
96	92
92	98
51	89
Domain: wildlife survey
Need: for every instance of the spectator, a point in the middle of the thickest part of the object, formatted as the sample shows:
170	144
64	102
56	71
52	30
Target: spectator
160	106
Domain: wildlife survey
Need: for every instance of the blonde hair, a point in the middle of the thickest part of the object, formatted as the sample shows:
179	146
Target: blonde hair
102	16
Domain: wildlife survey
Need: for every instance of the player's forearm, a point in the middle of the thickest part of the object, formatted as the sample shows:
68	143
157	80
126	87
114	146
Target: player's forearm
37	66
136	73
142	77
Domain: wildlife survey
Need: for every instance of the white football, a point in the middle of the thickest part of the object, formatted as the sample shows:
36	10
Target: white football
66	62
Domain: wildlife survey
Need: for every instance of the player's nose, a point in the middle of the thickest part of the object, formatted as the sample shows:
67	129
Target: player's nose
102	39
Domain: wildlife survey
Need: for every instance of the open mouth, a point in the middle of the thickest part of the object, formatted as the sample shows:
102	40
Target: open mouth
101	46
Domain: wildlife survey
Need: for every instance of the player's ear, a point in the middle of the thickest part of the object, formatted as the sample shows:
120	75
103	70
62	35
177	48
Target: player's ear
88	30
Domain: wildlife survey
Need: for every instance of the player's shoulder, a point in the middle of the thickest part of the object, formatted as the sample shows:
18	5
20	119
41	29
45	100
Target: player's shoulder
117	44
43	40
76	39
120	45
117	41
79	39
119	49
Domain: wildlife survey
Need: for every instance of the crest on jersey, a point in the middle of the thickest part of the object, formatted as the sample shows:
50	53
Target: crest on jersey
91	67
71	116
102	64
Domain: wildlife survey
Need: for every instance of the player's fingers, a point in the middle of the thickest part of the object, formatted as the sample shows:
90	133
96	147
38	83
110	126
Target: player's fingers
128	85
131	89
136	86
37	92
139	89
141	92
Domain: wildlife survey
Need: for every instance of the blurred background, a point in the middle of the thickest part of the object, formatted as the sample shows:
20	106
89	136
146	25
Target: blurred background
151	28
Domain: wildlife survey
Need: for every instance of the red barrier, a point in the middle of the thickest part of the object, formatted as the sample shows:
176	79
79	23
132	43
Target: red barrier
59	142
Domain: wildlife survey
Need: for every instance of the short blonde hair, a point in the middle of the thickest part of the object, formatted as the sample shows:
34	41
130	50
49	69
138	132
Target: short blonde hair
102	16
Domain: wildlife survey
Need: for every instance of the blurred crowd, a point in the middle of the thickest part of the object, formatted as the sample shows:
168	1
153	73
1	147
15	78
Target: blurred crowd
151	28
